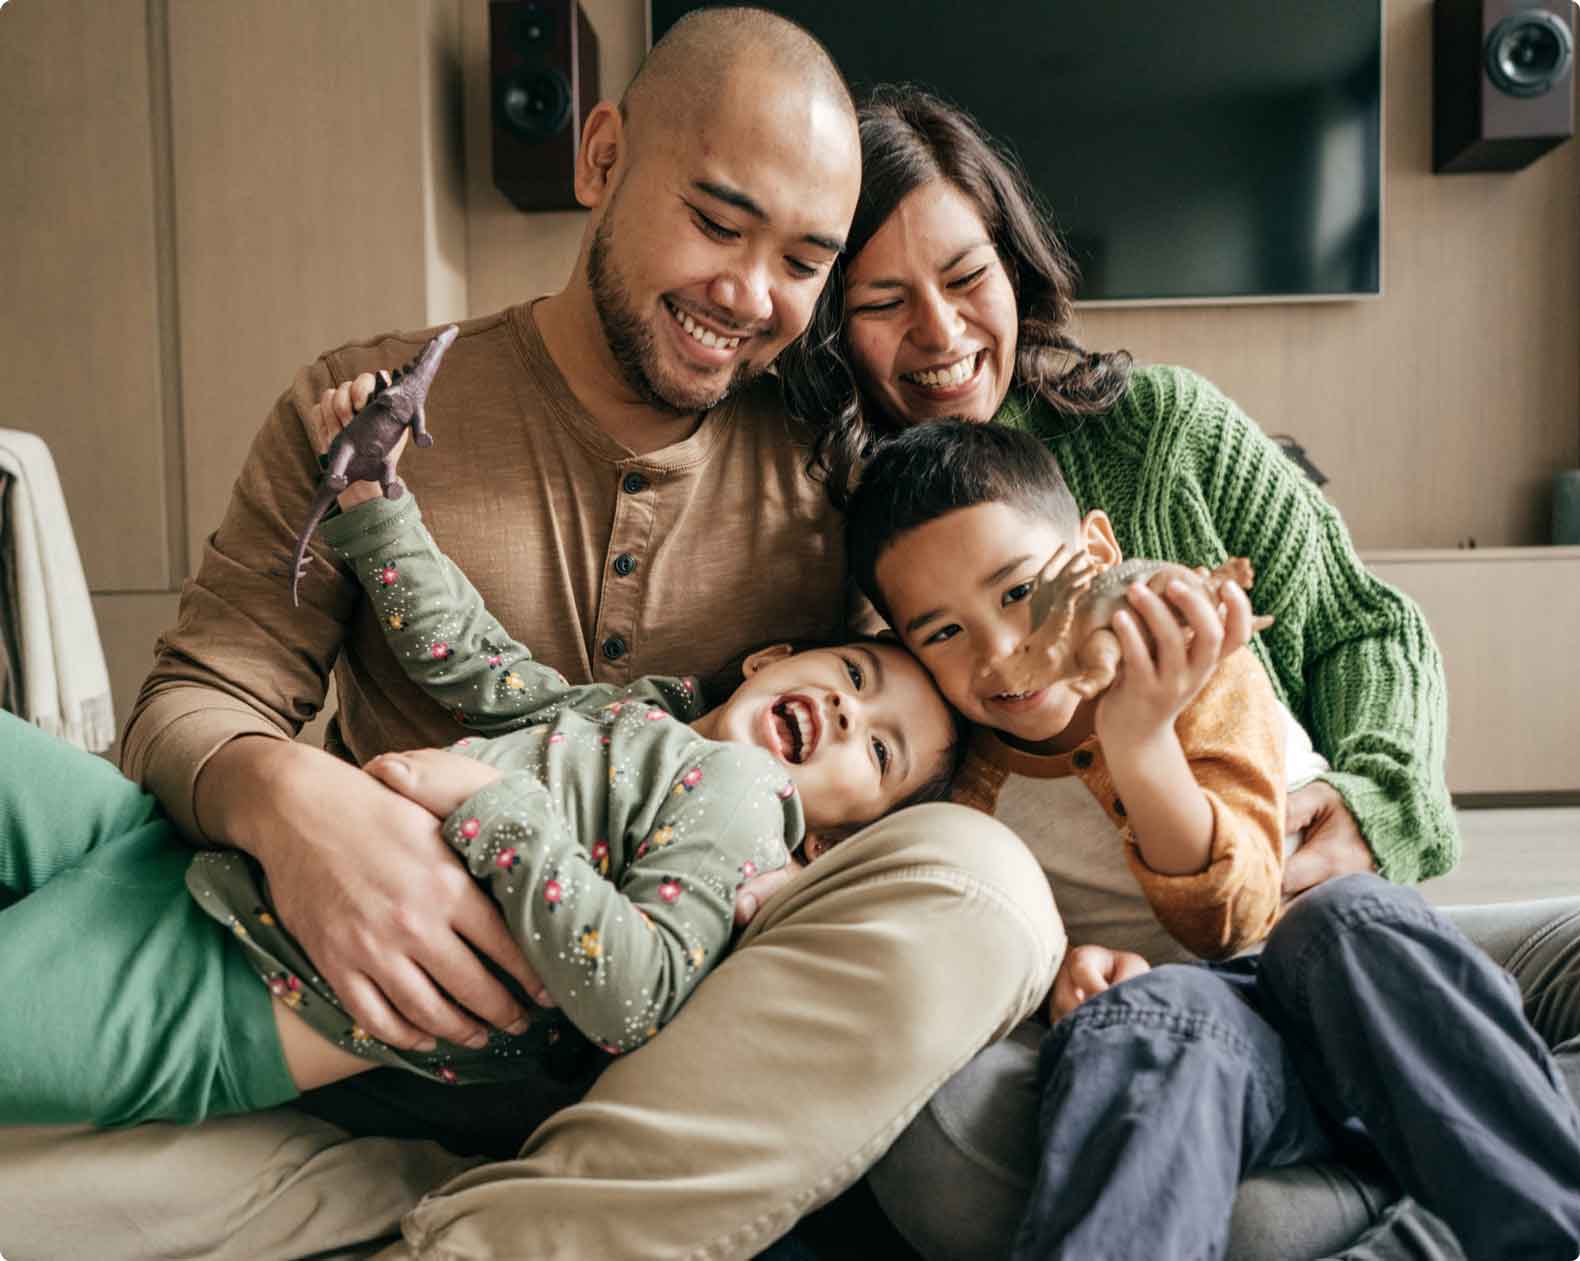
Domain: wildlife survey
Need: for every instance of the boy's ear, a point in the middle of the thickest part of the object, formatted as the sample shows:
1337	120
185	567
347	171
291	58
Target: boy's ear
603	143
1097	536
818	843
765	657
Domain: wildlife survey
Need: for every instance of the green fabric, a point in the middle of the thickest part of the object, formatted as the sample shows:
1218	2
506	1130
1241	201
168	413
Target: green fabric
121	1003
1186	476
614	843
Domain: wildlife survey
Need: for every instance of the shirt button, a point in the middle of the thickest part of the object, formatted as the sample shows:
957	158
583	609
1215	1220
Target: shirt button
614	648
624	564
1119	807
1082	759
633	483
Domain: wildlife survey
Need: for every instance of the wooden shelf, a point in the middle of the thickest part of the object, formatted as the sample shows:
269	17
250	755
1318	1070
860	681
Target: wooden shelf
1463	555
1508	622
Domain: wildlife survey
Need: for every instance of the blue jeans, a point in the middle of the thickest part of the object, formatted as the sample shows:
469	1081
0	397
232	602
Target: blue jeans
1369	1028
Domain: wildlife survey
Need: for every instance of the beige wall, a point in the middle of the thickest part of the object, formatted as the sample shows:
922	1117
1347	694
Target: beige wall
198	197
1439	411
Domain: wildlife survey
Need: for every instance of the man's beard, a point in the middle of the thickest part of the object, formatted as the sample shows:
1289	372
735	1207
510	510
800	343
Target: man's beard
631	341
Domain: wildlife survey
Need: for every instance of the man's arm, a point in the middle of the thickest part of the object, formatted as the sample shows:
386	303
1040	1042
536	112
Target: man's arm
360	876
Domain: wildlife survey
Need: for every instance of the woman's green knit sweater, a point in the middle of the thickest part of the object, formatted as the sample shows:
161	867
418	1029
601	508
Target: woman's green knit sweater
1186	476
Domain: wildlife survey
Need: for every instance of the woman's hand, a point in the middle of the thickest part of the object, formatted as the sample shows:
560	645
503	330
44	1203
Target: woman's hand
1089	970
333	412
1331	844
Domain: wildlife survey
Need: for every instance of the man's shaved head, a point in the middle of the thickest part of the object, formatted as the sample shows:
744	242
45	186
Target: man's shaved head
682	76
722	189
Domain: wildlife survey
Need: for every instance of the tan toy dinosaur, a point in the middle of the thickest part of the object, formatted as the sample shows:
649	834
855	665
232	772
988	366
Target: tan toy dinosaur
1072	606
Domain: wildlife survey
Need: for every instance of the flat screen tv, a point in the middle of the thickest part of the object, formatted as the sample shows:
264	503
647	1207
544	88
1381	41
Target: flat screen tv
1191	150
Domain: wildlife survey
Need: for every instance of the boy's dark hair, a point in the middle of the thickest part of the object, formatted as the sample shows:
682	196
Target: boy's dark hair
940	467
717	687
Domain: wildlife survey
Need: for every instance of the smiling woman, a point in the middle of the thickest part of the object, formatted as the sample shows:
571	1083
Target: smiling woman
958	289
930	311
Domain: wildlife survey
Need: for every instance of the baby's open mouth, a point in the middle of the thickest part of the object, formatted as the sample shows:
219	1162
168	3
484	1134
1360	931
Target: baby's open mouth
795	721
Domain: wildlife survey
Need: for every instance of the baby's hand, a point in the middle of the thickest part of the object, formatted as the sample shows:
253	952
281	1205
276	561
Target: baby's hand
1170	642
1089	970
333	412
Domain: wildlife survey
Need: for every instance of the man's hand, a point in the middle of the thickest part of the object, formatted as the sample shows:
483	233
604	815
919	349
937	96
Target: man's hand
361	877
333	412
1332	843
1089	970
441	782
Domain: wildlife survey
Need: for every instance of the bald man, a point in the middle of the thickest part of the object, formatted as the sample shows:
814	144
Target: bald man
618	477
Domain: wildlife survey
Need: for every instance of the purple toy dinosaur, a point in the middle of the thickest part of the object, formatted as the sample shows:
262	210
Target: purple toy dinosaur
364	451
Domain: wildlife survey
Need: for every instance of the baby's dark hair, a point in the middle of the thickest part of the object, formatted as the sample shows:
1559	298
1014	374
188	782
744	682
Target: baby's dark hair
933	469
720	685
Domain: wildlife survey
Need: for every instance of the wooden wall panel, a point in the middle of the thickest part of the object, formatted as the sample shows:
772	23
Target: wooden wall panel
1440	410
79	315
443	162
297	135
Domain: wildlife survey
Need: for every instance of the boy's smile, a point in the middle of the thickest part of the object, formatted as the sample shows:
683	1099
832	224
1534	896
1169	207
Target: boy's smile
956	589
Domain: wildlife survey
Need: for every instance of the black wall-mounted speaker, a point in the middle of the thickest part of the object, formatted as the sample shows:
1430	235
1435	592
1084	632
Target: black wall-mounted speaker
543	73
1503	82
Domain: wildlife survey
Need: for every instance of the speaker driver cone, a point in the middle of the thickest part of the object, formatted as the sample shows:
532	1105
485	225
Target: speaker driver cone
1528	53
536	104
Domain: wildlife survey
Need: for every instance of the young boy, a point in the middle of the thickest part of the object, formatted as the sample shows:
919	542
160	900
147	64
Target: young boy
1367	1020
613	824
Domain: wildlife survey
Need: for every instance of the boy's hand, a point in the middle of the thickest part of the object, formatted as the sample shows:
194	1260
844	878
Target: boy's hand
1089	970
333	412
1165	660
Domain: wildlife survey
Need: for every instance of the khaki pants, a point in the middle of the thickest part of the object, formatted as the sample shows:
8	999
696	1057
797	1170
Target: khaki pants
855	993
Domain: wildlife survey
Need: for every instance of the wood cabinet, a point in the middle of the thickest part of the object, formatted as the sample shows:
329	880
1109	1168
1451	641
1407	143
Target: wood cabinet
1508	622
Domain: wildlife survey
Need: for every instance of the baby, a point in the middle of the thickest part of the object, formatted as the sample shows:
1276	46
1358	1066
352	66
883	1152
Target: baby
615	826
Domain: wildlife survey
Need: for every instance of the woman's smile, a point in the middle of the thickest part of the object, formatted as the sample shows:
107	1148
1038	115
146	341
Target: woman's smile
931	318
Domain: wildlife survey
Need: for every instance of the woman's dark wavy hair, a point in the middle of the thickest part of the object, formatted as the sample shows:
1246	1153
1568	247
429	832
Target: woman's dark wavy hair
909	137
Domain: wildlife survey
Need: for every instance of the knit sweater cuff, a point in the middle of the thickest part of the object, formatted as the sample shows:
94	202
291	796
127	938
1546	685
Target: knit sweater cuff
1409	842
